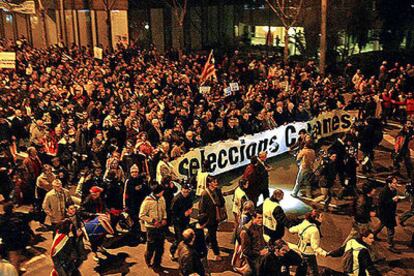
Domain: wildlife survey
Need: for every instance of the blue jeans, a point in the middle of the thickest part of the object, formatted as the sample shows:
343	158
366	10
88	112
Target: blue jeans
302	181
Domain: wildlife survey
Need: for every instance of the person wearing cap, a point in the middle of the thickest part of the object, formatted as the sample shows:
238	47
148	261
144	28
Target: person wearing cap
55	202
154	214
181	209
94	203
135	191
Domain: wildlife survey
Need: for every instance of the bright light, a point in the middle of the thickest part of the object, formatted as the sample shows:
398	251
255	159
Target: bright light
146	26
266	29
289	204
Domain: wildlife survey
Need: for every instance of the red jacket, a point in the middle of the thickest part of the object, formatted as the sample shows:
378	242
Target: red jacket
386	101
410	106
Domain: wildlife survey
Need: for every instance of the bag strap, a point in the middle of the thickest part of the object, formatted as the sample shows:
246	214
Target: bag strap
306	228
212	199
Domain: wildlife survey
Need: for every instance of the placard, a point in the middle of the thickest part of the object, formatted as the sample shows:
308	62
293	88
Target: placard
8	60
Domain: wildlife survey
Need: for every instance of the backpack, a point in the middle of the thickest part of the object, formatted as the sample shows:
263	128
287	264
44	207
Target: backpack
348	260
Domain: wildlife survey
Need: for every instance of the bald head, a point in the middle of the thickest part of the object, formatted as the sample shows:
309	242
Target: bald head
188	236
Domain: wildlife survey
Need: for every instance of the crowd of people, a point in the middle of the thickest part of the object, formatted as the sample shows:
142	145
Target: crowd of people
103	132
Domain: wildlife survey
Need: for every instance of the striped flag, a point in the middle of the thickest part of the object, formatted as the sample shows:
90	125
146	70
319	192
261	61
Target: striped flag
209	69
66	58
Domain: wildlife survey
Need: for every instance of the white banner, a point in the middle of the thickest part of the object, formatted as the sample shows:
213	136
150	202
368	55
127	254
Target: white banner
227	155
8	60
98	53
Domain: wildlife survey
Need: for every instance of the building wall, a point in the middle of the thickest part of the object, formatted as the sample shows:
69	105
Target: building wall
83	24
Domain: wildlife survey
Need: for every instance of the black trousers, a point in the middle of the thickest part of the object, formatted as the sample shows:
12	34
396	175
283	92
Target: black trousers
312	264
211	238
292	258
155	246
178	237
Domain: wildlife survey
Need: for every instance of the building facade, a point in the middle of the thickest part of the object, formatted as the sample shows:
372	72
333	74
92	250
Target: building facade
82	22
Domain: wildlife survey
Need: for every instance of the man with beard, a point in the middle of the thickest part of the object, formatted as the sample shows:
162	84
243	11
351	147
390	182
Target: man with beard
135	191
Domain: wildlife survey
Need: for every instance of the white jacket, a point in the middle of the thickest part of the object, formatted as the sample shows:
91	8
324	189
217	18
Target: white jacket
309	238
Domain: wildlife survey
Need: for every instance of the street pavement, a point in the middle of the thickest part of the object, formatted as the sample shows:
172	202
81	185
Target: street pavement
128	258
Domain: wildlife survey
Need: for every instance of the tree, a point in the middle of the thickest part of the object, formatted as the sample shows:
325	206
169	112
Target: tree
395	16
179	9
288	12
109	4
360	22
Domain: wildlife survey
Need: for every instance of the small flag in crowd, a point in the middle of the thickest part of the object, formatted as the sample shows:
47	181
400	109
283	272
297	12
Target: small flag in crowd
66	58
209	69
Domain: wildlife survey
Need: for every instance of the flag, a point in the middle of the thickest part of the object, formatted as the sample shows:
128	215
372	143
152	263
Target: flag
66	58
209	69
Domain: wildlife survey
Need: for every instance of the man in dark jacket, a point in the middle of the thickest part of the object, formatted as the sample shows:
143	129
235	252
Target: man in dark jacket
135	191
387	211
278	260
328	171
362	265
252	242
15	233
253	176
263	170
181	209
211	199
363	210
188	257
274	218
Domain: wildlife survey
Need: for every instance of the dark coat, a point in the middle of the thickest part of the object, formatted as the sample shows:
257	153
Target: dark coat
189	260
207	206
135	191
387	208
179	206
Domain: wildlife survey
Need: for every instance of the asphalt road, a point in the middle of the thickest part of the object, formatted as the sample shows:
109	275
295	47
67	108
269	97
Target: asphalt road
128	259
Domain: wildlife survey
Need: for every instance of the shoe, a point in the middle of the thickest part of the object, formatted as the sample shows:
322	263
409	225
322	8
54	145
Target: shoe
217	258
394	250
158	268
